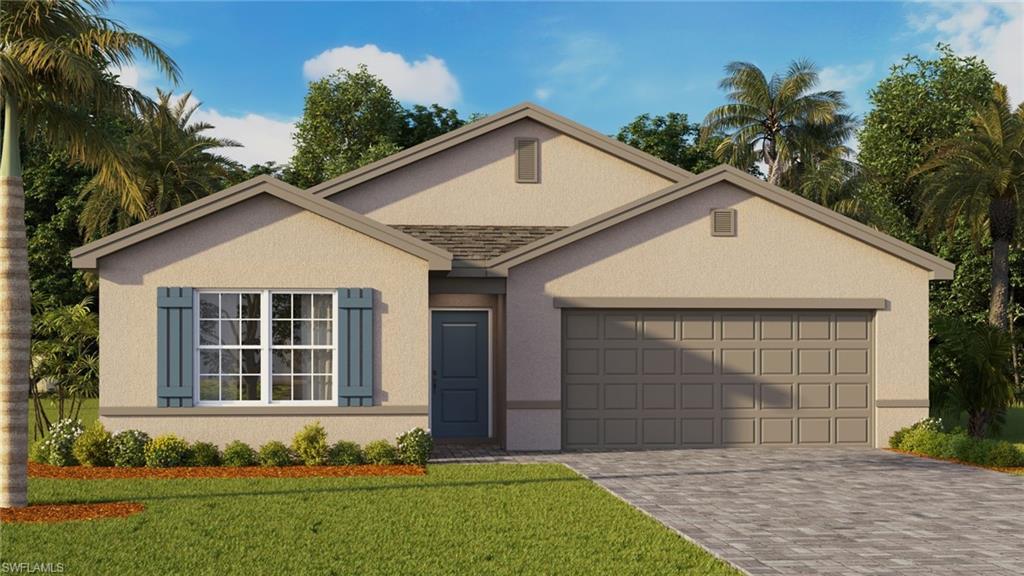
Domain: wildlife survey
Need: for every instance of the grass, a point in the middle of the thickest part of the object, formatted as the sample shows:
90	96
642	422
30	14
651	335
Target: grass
88	414
478	519
1013	430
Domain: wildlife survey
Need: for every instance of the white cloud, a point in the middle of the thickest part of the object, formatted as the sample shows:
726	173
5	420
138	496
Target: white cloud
426	81
582	65
993	32
263	139
139	76
542	93
845	77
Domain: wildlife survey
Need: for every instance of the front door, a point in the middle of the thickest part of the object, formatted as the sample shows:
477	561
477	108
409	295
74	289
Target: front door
459	374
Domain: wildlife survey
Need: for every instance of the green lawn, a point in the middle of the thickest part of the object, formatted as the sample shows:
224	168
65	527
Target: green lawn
88	414
1013	430
471	519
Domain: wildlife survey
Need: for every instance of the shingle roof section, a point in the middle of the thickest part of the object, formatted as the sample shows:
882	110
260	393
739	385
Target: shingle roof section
478	243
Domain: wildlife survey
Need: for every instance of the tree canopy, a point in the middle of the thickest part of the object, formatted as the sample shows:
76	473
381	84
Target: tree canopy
671	137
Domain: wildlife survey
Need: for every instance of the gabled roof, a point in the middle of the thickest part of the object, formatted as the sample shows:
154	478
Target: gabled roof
491	123
939	268
476	243
87	256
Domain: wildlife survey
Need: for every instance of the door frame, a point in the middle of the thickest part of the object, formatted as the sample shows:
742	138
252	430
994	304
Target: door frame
490	362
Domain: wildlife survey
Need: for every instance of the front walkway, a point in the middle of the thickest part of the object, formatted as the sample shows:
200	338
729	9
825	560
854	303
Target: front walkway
818	511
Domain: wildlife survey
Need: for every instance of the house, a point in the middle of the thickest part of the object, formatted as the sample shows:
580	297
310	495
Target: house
522	278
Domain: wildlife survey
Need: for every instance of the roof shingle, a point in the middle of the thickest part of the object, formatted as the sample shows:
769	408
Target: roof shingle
477	243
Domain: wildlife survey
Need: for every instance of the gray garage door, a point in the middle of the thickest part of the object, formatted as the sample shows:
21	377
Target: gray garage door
678	378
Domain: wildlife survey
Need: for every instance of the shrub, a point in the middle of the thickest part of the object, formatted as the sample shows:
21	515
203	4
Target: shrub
129	448
93	447
345	453
37	452
928	440
380	452
58	446
1005	455
933	424
415	446
310	445
167	451
204	454
924	441
275	453
238	453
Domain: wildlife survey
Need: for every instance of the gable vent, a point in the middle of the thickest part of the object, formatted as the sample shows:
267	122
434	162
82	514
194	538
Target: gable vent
527	160
723	222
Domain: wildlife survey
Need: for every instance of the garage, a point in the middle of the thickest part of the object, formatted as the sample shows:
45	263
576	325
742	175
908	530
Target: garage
646	379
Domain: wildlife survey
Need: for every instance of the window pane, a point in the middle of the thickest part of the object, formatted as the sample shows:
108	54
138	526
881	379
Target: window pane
282	306
251	332
229	306
322	361
250	387
322	305
281	388
209	306
303	361
229	332
251	362
282	332
209	388
322	332
302	388
229	387
229	361
282	361
208	332
302	332
250	305
321	387
302	306
209	361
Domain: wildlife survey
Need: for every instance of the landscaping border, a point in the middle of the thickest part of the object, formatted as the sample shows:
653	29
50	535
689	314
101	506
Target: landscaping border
49	513
36	470
1019	470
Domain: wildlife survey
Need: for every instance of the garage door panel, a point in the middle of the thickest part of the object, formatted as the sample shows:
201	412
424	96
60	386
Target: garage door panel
657	378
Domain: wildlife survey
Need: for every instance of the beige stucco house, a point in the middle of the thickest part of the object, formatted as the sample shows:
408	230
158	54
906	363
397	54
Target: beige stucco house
524	279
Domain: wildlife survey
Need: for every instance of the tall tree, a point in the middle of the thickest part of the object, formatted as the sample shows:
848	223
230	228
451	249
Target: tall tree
170	162
425	122
977	179
778	121
53	83
671	137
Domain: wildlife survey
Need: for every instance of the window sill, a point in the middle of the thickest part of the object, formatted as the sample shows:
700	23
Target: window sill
310	410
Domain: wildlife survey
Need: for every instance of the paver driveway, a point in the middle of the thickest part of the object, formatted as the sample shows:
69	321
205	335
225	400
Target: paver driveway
825	511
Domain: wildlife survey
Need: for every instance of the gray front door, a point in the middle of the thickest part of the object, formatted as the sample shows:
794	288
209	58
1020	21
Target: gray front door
459	374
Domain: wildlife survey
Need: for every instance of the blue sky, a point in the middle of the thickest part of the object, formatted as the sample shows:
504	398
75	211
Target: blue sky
600	64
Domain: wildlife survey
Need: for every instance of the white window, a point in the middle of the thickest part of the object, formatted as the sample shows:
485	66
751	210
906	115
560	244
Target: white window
265	347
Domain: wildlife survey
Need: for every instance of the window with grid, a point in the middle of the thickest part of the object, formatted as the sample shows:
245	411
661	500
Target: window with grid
302	327
230	346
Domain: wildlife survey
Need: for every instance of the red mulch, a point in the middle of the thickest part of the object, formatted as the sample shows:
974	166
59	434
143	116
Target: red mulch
83	473
1017	470
66	512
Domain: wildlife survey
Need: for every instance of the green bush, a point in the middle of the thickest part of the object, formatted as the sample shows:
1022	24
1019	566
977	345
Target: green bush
275	453
415	446
204	454
238	453
380	452
129	448
57	448
167	451
94	447
37	452
928	440
345	453
310	445
1005	455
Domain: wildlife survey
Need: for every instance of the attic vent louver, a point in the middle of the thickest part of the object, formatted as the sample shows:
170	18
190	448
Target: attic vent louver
527	160
723	222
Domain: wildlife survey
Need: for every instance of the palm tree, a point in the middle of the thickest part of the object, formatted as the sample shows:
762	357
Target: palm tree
53	84
778	121
977	179
170	162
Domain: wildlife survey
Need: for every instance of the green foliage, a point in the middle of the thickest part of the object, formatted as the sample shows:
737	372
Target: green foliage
94	447
310	445
37	452
930	441
204	454
275	453
672	138
57	448
422	123
344	453
415	446
167	451
930	424
380	452
238	453
129	448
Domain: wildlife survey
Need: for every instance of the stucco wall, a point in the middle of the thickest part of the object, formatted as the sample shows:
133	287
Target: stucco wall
670	252
474	183
262	243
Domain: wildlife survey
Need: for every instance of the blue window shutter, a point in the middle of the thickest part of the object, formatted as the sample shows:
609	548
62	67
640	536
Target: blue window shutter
355	347
175	348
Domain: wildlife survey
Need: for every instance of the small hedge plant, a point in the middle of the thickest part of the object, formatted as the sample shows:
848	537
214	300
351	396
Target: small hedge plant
57	448
128	448
275	453
204	454
927	438
380	452
167	451
310	445
415	446
344	453
238	453
94	447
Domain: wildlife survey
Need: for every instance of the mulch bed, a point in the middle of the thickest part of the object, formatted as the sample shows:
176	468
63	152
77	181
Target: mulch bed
36	470
1017	470
67	512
